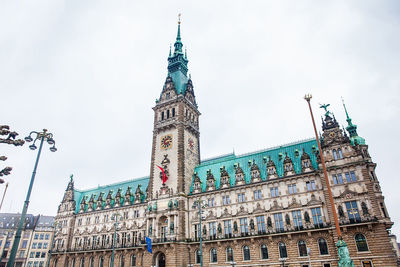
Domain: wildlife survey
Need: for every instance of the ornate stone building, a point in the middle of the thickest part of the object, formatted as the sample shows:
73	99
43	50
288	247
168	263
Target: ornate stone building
265	208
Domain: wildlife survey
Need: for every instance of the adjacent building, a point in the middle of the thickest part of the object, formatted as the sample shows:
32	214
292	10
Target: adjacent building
264	208
35	240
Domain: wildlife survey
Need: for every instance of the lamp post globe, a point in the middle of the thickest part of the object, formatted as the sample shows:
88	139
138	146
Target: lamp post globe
41	137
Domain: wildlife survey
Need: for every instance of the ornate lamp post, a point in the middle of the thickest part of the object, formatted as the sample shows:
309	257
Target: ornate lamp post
344	255
42	136
115	219
200	204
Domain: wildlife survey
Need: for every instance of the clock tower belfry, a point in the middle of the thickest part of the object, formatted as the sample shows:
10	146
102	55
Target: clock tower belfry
176	146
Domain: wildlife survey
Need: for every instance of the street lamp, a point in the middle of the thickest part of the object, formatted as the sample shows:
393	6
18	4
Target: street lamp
115	219
56	224
200	204
42	136
233	264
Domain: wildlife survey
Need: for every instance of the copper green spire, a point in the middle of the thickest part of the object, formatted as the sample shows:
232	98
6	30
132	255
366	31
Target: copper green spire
170	51
177	64
352	129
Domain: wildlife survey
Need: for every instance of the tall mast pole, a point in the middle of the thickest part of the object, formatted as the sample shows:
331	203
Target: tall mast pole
335	217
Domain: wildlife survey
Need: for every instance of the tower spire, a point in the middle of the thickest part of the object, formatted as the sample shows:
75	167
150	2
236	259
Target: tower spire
352	129
178	44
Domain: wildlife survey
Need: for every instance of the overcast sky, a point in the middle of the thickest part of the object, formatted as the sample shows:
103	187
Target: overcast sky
90	71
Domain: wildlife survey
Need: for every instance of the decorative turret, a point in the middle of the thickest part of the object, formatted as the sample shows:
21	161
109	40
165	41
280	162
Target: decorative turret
224	177
352	129
68	203
271	168
332	134
288	165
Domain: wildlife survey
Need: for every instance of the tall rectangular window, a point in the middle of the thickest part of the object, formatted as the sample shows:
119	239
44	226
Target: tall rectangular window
274	192
317	216
311	185
244	228
173	112
297	222
228	227
353	176
24	243
241	197
196	231
168	114
292	189
212	229
257	195
260	224
337	179
211	202
278	221
225	200
352	211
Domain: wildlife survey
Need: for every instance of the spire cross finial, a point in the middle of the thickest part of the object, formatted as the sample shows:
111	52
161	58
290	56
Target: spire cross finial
179	18
71	176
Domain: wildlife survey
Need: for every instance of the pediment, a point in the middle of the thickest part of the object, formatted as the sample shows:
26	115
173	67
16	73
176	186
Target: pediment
314	201
225	214
258	209
211	216
242	211
275	206
294	204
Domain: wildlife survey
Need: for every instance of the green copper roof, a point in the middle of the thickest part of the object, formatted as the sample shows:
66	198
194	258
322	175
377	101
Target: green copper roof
277	154
177	65
113	188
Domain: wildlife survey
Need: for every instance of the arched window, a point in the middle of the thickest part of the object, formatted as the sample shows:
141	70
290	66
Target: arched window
101	262
302	248
229	254
282	250
246	253
122	261
264	252
340	153
91	262
323	246
334	154
361	242
133	260
213	255
82	262
198	256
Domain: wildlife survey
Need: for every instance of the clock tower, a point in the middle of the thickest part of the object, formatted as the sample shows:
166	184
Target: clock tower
175	149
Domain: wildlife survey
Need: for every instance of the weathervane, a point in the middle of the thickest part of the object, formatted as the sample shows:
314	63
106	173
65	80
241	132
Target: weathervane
179	18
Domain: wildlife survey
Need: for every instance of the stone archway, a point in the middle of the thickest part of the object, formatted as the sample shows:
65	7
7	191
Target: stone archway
159	260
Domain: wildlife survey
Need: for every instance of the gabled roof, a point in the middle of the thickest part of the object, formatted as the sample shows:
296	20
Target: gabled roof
277	154
106	189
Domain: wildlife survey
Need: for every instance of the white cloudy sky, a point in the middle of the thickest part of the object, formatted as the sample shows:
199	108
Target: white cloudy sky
90	71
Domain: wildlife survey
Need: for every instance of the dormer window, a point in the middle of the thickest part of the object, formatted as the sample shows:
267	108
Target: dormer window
173	112
306	164
271	171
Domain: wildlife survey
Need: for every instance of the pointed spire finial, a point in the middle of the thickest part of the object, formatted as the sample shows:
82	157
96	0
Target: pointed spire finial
179	18
185	52
347	114
170	47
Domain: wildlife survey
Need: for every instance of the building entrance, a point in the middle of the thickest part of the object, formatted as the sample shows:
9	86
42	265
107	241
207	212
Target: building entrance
161	260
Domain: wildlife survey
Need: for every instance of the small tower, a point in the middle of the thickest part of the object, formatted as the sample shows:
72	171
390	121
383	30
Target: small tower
68	203
352	129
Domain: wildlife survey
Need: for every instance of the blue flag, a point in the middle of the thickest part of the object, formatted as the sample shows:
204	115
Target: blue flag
148	243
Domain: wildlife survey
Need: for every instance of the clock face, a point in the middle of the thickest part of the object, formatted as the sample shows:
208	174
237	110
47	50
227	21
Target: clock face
191	143
166	142
332	135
